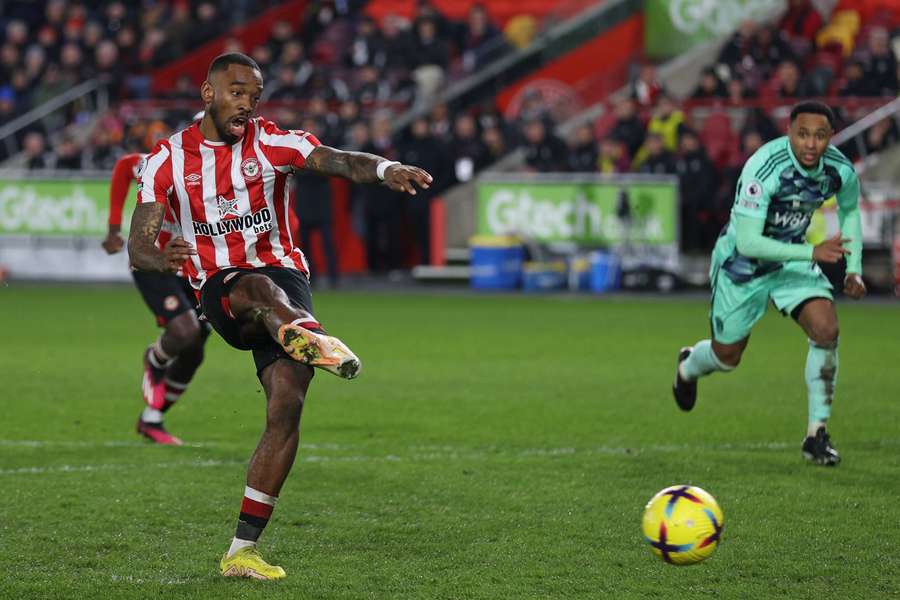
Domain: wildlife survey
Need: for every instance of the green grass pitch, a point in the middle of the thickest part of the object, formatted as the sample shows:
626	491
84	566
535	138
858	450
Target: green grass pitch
496	447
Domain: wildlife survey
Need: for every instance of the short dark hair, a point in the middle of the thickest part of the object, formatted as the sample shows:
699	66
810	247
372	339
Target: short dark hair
221	62
814	107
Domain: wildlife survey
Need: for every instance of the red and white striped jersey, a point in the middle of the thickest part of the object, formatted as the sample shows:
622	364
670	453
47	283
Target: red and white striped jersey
126	169
231	202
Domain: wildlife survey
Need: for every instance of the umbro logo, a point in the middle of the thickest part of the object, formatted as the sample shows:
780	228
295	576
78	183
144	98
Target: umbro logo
192	179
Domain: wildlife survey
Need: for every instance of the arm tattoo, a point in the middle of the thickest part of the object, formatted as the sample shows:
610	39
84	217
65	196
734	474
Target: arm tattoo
145	225
356	166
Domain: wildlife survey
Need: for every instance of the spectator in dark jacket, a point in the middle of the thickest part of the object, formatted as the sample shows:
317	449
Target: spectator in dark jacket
628	127
769	49
710	85
881	135
284	87
544	152
659	160
428	48
881	64
467	149
495	143
583	151
68	155
735	54
312	204
758	120
34	150
368	47
855	84
428	60
423	150
698	181
790	82
481	42
383	207
737	91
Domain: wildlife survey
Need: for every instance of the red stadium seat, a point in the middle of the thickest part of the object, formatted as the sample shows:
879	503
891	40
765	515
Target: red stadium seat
831	56
719	138
604	123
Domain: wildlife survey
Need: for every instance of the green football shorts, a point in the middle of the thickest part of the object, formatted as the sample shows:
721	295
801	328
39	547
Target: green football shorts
736	307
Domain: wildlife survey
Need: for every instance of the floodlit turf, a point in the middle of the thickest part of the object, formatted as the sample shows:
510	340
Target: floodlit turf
494	447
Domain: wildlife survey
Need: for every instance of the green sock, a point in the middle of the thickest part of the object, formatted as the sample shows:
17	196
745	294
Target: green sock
702	361
821	377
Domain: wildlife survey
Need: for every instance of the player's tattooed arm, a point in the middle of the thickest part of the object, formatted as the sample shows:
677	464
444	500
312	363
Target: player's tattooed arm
357	166
362	167
146	223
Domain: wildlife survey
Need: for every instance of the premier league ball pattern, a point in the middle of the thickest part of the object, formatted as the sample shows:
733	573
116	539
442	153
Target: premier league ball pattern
683	525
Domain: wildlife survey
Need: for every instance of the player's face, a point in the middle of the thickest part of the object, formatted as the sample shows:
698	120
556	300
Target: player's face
231	97
809	134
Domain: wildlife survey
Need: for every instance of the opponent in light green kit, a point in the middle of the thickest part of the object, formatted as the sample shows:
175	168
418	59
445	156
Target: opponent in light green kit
762	254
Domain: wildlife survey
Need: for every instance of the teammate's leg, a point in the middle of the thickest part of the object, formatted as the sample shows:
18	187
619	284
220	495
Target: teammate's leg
285	383
182	369
263	308
818	319
169	364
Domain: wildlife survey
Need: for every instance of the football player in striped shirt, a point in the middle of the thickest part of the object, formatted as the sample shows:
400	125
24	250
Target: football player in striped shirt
172	359
225	179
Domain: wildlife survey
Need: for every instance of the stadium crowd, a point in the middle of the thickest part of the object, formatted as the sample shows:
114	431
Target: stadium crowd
354	74
760	67
333	53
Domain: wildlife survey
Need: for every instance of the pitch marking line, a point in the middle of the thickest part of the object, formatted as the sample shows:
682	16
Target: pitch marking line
420	454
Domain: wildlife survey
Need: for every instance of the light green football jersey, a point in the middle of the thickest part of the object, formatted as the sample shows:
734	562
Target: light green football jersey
774	186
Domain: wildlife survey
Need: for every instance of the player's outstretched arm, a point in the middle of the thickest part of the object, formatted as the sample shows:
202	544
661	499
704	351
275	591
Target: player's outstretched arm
362	167
142	251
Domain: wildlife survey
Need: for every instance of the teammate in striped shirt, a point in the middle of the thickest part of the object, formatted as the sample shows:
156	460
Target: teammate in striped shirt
172	359
225	179
762	255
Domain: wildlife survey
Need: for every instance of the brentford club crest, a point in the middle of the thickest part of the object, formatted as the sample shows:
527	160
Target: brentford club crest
250	169
227	206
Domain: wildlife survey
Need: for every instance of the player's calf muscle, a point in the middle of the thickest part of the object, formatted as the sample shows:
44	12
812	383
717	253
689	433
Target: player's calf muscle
182	332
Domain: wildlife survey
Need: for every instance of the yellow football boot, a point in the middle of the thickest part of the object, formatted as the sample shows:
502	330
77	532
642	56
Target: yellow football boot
319	350
247	562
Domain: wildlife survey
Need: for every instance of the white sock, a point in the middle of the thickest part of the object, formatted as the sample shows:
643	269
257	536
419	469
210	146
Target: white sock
237	544
151	415
814	427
